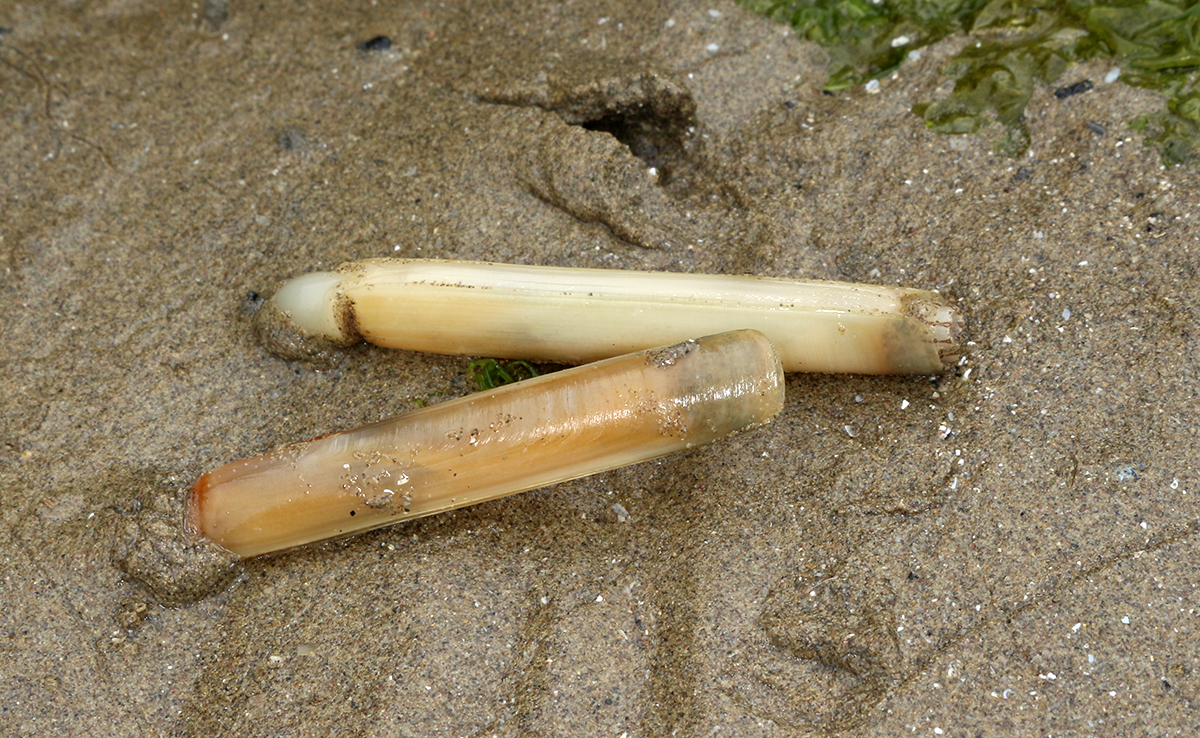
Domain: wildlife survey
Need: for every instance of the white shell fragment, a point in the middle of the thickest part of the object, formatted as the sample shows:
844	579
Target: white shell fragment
572	316
530	434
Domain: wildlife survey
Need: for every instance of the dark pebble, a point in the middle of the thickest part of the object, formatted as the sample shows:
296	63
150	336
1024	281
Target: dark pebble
379	43
1062	93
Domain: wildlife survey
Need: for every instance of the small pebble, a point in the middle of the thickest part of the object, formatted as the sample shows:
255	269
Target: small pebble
378	43
1078	88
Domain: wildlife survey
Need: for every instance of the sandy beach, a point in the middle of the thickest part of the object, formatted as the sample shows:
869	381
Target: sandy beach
1009	548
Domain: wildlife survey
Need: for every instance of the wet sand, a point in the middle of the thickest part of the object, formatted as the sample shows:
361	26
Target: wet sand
1007	549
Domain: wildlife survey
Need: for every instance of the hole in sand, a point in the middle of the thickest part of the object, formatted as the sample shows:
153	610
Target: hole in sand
655	141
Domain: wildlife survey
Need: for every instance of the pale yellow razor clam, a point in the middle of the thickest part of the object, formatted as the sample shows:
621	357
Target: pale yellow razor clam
573	315
490	444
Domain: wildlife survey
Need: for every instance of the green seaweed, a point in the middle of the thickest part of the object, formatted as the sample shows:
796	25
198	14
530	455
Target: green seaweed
1013	46
862	36
492	373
